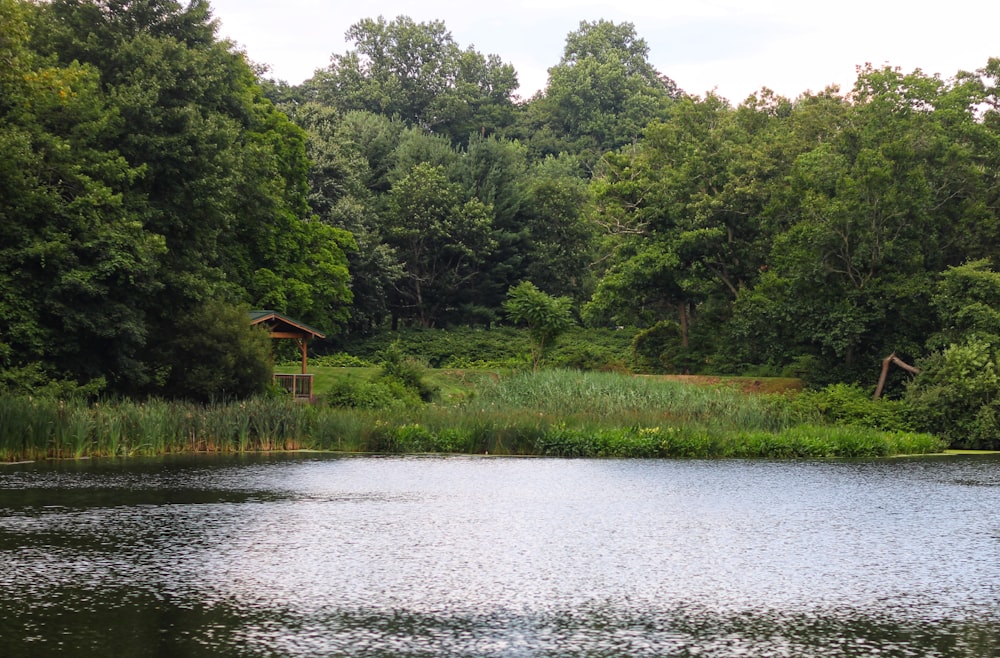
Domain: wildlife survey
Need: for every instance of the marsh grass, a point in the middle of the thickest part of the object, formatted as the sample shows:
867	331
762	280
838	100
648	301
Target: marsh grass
564	413
610	398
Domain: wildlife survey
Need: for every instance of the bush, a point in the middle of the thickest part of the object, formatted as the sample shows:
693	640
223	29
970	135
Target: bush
583	356
654	348
408	371
957	395
376	395
499	348
222	355
844	404
456	347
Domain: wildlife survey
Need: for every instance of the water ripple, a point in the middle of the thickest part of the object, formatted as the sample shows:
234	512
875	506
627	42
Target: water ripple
314	556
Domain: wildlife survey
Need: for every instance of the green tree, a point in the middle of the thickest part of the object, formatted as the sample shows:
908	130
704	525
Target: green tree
417	72
967	303
76	270
440	240
957	392
545	316
492	171
561	246
194	186
220	355
871	214
682	212
349	165
600	95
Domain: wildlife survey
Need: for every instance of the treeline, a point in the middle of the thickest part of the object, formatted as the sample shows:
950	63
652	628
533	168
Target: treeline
153	180
147	188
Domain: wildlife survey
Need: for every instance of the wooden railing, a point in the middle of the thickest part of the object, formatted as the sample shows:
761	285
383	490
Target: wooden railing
300	386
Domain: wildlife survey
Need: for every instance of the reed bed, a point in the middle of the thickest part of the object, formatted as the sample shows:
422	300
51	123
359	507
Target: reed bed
37	428
638	400
563	413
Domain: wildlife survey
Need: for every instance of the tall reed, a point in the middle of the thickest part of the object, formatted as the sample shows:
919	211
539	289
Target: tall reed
547	413
637	399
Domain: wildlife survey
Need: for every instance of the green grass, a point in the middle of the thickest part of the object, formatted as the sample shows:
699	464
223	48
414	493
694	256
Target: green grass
557	412
325	377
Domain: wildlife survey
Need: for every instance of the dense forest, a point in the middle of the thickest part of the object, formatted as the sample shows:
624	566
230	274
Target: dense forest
155	185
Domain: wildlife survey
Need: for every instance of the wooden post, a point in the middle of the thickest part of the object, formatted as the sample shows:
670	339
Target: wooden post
304	346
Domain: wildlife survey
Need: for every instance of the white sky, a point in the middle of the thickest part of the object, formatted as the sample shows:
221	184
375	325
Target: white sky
733	46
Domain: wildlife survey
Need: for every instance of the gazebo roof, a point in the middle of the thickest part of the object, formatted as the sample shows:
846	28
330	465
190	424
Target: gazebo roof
282	324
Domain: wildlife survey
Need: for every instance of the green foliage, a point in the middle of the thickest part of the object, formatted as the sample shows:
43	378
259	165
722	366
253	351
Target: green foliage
143	174
555	413
76	268
637	400
455	347
800	442
545	316
381	394
440	240
219	356
340	360
956	394
967	300
36	428
562	235
600	95
408	371
416	71
844	404
656	349
583	355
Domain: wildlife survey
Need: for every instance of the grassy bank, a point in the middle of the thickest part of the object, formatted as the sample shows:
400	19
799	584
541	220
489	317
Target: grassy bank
564	413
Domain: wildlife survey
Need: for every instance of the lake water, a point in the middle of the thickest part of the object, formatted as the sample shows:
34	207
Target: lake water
306	555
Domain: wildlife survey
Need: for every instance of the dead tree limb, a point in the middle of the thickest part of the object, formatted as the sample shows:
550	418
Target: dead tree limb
886	362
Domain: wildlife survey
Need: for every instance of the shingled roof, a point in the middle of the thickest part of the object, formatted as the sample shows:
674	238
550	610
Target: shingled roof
283	324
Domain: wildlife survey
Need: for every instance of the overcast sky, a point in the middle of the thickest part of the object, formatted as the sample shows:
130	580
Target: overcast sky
733	46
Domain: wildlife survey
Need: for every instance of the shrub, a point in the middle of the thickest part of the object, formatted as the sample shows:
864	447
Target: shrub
957	394
654	348
582	356
846	404
222	356
408	371
375	395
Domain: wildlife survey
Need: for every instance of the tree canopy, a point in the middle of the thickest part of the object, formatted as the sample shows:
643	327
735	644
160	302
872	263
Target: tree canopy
148	174
151	175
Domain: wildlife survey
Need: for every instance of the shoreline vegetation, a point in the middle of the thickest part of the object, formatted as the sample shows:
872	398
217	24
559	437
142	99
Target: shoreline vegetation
546	413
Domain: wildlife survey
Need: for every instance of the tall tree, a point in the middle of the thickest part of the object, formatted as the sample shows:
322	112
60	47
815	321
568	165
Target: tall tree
212	178
561	231
351	160
417	72
874	210
76	270
600	95
440	240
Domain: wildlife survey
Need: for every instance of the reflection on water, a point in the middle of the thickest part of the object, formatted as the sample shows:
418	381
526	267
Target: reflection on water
326	556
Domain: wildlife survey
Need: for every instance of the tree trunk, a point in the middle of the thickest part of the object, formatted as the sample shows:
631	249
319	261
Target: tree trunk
683	309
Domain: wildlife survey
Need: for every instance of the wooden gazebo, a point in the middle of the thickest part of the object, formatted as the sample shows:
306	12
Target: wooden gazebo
282	326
